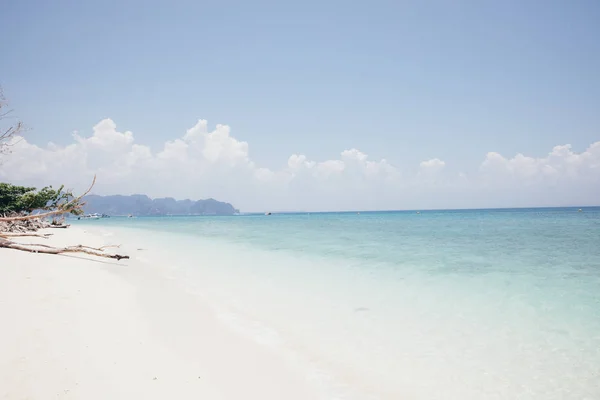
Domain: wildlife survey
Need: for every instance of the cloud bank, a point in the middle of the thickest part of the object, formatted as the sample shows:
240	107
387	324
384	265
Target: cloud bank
206	163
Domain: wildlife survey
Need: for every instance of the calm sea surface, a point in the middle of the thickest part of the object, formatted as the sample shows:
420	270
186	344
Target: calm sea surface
474	304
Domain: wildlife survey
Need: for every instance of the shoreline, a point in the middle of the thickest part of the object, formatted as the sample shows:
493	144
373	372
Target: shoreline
255	316
76	326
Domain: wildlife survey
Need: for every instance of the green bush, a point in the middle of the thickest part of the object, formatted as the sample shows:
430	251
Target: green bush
20	199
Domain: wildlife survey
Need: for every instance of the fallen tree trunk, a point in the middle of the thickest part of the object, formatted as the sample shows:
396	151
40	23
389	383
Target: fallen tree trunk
7	235
23	225
35	216
40	248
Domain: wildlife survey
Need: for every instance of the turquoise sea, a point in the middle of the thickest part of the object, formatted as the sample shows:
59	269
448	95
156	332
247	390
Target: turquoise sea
470	304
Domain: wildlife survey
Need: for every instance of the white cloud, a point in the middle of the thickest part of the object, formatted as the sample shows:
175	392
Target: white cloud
562	163
328	168
296	162
106	136
203	163
354	154
433	164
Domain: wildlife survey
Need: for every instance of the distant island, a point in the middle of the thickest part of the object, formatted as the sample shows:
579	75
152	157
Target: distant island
142	205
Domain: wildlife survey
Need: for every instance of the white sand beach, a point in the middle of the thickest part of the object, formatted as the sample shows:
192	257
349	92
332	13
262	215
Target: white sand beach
79	327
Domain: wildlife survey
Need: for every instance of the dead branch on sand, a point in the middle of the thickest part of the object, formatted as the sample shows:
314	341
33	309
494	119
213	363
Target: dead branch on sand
41	248
27	226
24	225
42	235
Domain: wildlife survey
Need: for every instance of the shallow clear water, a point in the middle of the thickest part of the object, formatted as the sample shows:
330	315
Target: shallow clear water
477	304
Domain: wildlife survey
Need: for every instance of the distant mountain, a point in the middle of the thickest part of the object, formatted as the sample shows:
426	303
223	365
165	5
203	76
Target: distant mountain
142	205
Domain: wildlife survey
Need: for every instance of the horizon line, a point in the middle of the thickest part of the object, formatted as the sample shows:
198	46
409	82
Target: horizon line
421	209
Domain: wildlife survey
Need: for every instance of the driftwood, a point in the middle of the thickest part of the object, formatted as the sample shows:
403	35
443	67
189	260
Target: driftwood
27	226
41	248
7	235
24	225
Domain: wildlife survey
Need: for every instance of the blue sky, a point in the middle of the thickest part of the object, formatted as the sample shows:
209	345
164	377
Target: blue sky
403	81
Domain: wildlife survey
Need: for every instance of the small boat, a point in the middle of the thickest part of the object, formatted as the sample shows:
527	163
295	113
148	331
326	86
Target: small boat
93	216
267	213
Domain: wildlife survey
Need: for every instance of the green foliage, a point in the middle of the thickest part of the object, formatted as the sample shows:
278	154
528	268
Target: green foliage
19	199
10	197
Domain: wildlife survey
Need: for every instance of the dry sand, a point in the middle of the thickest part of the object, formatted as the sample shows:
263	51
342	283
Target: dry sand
78	327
